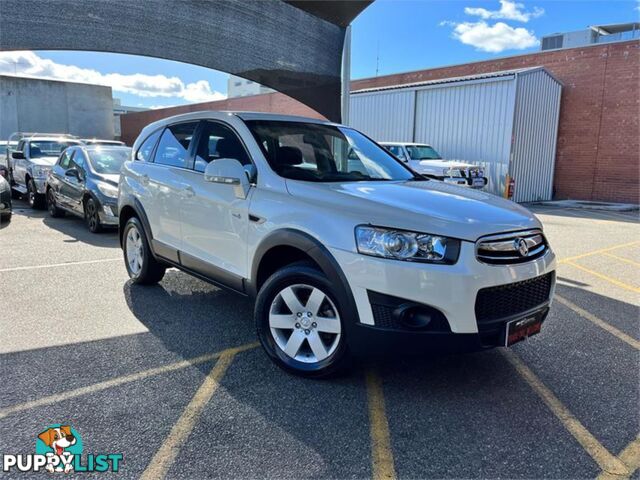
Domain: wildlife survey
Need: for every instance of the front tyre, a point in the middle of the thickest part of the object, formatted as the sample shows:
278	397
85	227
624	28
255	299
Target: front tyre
299	322
52	205
91	216
142	267
36	200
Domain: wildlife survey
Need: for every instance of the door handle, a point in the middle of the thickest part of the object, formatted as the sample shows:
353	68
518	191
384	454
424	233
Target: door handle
189	192
144	180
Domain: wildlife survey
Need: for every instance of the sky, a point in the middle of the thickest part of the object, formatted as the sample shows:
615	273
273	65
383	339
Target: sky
389	36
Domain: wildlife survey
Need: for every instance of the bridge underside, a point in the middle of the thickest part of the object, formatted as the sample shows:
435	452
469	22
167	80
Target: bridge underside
294	47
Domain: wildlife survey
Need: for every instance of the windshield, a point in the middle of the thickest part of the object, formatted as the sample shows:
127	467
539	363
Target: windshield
324	153
108	160
47	148
422	152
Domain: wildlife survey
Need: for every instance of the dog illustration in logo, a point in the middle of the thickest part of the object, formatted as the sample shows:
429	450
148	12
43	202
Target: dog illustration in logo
58	439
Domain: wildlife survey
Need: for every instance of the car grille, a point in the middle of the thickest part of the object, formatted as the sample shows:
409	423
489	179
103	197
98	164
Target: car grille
510	248
504	301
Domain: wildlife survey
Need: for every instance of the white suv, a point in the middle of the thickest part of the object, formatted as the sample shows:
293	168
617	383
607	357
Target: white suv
341	259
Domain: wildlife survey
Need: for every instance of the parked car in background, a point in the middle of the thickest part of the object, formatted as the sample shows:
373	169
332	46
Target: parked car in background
4	146
97	141
84	182
5	198
425	160
344	248
31	161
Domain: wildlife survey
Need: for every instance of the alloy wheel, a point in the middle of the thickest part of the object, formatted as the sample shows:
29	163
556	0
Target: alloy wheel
135	255
305	323
92	216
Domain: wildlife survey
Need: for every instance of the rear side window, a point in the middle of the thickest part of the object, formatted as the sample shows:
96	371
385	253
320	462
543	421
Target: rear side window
146	149
173	149
218	141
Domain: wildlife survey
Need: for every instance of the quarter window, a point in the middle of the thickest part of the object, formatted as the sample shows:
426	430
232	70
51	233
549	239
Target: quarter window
146	149
173	149
218	141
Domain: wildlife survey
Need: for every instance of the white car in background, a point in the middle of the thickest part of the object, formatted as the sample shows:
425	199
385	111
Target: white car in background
425	160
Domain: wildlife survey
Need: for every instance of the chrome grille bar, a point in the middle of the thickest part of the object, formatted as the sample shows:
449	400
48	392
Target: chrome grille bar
509	248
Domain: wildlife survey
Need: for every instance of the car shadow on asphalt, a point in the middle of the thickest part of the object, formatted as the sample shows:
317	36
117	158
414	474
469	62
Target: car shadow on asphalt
191	317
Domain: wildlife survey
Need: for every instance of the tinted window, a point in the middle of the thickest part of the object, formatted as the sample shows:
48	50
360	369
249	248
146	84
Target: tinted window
146	149
78	161
324	153
422	152
173	148
66	158
108	160
47	148
218	141
396	150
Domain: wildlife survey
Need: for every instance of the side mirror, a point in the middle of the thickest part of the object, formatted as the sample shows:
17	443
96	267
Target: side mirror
17	155
228	171
72	173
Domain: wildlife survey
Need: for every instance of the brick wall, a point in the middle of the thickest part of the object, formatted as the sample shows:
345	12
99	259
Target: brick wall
598	152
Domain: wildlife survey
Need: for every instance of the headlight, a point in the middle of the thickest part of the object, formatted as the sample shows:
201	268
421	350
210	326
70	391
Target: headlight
108	190
409	246
40	172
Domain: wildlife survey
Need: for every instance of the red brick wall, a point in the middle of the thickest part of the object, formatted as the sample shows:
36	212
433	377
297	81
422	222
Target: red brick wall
598	152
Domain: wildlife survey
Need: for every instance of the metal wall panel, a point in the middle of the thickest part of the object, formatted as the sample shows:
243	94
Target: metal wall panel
384	116
535	136
472	122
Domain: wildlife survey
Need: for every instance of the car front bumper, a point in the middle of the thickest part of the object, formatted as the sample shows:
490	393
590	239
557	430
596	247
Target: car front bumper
41	185
449	289
109	214
5	202
473	182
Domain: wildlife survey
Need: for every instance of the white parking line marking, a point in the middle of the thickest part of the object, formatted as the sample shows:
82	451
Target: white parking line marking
170	447
54	265
114	382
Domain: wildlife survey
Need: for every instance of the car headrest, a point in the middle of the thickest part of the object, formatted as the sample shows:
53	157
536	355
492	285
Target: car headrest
226	148
289	156
33	150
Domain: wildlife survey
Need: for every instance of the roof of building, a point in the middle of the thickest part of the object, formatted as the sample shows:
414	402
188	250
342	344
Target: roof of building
466	78
617	27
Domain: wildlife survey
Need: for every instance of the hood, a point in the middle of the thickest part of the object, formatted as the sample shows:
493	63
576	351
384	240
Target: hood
112	178
422	206
44	161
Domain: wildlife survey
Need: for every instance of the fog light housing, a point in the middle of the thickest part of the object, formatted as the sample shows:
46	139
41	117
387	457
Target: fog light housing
108	210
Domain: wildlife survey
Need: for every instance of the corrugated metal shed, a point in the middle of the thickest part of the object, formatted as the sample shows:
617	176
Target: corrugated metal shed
506	121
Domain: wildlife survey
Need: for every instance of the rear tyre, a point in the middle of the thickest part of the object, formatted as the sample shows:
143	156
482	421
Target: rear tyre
91	216
142	267
36	200
299	322
52	206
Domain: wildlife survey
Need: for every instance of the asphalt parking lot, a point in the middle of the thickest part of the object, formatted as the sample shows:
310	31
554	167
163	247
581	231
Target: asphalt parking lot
170	375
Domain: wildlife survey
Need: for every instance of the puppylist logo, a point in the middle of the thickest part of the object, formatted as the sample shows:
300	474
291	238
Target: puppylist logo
59	450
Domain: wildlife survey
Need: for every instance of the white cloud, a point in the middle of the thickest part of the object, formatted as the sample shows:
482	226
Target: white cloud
26	63
508	11
494	38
